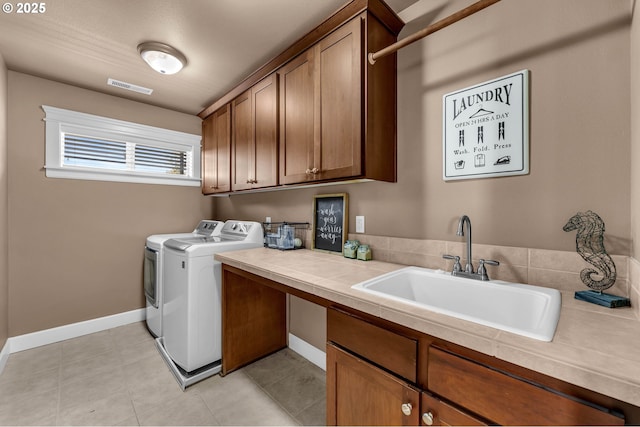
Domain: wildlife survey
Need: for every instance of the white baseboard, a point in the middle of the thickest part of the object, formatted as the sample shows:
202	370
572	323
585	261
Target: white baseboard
74	330
309	352
4	355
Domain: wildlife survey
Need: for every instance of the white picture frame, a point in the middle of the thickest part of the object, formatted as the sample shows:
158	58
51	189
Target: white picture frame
486	129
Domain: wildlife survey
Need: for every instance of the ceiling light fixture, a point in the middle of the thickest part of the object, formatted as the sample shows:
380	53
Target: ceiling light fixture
162	57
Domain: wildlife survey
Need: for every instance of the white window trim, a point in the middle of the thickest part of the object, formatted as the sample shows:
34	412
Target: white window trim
59	121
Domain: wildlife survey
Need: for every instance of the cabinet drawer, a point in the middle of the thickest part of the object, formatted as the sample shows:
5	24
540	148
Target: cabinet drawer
438	413
506	399
385	348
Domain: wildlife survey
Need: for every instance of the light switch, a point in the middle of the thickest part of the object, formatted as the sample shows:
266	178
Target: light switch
360	224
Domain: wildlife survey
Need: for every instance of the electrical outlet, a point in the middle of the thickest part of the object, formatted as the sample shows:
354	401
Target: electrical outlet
360	224
268	219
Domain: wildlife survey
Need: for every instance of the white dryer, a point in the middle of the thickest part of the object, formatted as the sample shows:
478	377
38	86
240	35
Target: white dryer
152	277
192	320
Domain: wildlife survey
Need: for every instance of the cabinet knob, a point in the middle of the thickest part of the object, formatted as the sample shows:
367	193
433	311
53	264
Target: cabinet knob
406	409
249	181
308	171
427	418
315	171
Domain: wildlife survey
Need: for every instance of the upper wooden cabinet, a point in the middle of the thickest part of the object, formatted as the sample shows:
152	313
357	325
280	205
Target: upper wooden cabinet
216	152
337	112
255	137
321	109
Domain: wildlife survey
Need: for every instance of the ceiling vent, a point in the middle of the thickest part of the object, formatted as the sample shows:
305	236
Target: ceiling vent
129	86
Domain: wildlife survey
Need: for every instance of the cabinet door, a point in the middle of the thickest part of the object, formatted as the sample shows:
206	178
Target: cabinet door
299	129
265	114
216	152
321	103
255	137
434	412
243	146
340	58
358	393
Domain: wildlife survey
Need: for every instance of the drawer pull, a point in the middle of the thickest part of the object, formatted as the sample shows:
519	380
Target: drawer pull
427	418
406	409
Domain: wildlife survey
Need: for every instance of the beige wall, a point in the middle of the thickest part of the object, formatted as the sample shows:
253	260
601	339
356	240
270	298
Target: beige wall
578	55
4	288
76	247
635	131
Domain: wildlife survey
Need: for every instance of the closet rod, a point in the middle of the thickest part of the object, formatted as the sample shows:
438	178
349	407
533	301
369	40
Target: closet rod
451	19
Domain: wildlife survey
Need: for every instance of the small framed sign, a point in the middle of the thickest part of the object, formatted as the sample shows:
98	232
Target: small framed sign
330	222
486	129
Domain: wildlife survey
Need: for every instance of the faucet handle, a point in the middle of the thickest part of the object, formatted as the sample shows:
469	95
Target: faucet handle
456	265
482	271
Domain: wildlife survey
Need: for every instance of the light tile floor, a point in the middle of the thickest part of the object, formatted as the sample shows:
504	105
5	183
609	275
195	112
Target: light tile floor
117	377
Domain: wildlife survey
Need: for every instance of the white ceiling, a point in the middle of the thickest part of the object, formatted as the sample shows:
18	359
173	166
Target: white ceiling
85	42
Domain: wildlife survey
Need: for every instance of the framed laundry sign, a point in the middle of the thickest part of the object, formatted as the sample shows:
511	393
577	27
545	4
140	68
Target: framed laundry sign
330	221
486	129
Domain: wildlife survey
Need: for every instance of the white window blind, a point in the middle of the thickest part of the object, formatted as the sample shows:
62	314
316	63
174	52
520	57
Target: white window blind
153	159
84	146
93	152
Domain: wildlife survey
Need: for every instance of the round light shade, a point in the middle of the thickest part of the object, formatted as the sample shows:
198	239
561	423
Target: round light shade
162	57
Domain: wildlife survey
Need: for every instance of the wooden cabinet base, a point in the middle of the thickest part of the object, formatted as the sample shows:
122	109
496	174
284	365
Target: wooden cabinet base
359	393
371	364
253	320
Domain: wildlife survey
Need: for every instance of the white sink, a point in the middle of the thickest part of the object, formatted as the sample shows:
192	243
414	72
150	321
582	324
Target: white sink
530	311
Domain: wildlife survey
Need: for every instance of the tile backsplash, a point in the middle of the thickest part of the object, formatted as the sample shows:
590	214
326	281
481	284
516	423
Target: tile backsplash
555	269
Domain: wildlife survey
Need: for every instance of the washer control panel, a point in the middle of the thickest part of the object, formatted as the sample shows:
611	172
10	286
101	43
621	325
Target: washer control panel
239	228
208	228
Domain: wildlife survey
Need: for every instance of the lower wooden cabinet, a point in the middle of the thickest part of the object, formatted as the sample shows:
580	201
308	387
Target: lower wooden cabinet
359	393
453	386
435	412
505	398
382	373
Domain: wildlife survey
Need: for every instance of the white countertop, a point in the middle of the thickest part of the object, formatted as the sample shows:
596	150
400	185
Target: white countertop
594	347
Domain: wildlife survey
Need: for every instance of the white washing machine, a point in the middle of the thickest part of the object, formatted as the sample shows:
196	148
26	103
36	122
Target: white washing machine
192	320
152	280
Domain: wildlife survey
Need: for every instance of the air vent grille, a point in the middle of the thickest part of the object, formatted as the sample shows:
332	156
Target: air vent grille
129	86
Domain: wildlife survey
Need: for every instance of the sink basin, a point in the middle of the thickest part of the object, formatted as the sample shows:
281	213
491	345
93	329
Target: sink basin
530	311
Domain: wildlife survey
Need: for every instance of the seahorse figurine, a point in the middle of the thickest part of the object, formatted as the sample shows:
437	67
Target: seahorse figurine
590	246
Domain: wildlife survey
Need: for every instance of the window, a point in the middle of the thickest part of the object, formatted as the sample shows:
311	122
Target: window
84	146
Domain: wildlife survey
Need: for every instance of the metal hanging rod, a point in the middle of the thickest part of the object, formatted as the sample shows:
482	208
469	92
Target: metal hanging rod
451	19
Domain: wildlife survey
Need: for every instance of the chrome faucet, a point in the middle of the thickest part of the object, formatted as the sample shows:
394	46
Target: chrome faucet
469	267
468	270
